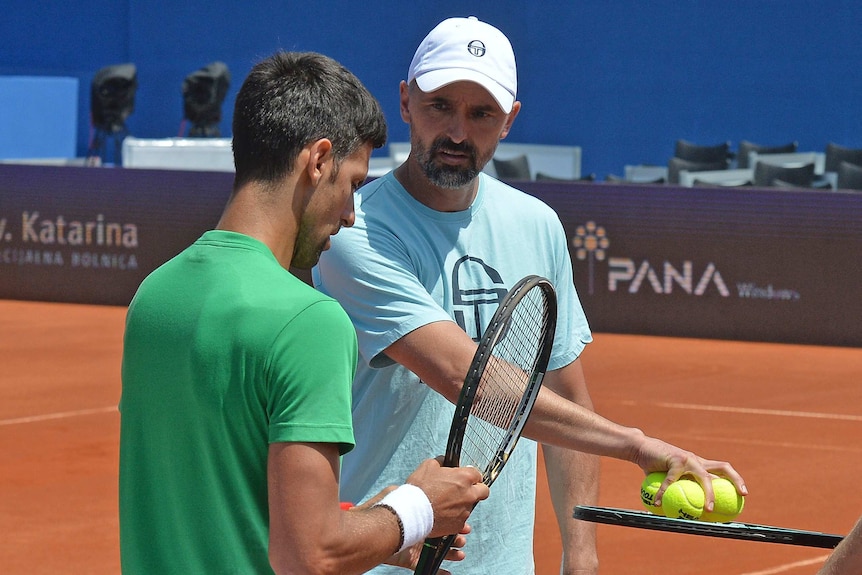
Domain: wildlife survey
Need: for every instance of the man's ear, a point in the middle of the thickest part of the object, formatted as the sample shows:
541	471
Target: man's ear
404	99
516	107
320	160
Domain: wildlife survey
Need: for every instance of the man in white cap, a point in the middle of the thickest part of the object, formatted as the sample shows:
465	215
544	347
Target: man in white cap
435	246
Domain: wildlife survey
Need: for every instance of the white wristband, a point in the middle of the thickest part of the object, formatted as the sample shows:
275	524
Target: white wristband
414	512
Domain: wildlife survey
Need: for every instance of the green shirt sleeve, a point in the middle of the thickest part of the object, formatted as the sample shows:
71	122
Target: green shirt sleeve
311	370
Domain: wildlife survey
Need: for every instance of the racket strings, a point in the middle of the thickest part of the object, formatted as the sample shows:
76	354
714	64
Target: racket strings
507	375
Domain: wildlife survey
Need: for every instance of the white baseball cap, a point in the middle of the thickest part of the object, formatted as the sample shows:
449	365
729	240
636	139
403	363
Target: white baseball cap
466	49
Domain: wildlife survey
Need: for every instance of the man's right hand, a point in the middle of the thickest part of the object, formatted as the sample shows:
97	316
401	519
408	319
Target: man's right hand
452	491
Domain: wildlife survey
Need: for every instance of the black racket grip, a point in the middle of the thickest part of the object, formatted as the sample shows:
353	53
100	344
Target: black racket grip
433	551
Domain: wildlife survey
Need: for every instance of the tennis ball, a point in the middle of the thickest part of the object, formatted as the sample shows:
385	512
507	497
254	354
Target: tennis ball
728	503
683	500
650	485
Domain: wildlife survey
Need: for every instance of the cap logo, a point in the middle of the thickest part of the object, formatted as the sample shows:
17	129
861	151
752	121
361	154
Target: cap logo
476	48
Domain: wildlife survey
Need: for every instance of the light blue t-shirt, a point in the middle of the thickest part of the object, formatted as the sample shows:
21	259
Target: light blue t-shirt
402	266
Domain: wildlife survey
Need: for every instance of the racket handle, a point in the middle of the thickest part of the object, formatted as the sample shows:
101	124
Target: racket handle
433	552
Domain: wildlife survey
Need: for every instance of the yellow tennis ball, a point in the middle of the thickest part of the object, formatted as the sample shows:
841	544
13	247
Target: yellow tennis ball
650	485
683	500
728	503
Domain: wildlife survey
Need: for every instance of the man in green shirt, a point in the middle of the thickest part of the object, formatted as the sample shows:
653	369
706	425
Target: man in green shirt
236	375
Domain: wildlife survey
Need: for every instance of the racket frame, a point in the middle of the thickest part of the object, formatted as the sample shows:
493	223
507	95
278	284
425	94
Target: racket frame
435	549
730	530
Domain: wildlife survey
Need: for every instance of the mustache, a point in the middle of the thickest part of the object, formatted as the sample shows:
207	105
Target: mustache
445	144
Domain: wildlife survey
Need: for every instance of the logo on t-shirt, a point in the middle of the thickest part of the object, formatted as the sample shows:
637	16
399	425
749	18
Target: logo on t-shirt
477	290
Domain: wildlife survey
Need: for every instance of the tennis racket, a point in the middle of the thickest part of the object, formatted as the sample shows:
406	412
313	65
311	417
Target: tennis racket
499	391
731	530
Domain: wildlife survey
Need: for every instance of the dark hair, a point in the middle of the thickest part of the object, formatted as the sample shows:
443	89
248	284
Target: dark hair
292	99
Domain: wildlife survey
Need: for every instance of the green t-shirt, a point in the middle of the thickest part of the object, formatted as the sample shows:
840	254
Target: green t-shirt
225	352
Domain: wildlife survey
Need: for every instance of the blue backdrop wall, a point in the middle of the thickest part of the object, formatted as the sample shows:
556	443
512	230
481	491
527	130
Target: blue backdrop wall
621	79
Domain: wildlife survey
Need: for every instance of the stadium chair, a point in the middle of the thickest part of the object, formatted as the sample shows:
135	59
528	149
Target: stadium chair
849	176
643	174
517	168
549	178
691	152
737	183
746	147
836	154
676	165
766	174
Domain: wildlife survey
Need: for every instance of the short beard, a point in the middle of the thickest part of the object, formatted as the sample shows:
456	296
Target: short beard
305	254
442	175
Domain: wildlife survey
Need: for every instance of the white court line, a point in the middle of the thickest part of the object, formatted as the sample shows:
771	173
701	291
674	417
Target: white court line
749	410
788	566
748	441
60	415
781	444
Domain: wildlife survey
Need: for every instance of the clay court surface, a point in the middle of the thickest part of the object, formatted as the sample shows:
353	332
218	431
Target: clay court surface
789	417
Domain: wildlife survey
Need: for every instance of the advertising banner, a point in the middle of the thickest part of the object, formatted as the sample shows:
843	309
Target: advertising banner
775	265
91	235
749	264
